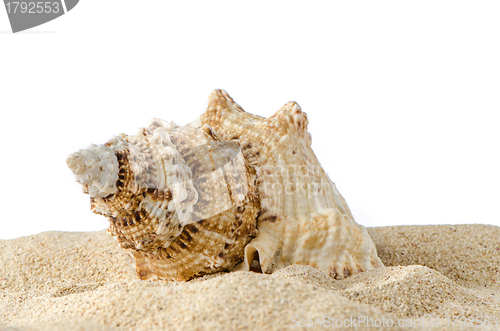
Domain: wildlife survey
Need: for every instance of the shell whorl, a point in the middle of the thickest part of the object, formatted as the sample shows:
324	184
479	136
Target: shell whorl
177	191
303	218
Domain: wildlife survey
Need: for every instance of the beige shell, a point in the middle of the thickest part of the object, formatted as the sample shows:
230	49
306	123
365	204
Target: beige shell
303	217
230	187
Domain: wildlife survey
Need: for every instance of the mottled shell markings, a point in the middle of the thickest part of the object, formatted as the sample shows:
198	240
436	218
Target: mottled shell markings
230	188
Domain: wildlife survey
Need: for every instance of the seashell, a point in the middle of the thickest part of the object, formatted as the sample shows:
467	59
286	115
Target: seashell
230	191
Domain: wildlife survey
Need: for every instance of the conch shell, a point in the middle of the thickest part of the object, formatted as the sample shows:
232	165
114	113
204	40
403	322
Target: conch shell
230	188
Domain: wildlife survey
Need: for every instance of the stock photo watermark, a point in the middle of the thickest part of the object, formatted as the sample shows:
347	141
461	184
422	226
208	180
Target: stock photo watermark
24	15
422	322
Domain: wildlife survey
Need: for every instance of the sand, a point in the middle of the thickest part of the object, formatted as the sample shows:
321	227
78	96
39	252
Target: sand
440	274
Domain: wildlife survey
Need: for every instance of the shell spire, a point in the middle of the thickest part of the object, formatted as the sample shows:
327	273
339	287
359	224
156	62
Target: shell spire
96	168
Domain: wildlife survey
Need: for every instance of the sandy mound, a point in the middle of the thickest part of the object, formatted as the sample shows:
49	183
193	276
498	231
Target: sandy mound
468	254
84	281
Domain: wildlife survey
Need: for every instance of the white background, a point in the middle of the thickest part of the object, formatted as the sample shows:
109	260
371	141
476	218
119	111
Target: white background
403	98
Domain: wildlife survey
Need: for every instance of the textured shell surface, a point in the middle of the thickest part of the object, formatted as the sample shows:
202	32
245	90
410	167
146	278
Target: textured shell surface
229	191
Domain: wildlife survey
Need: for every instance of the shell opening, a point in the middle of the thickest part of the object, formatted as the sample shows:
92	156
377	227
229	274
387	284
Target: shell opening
252	259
